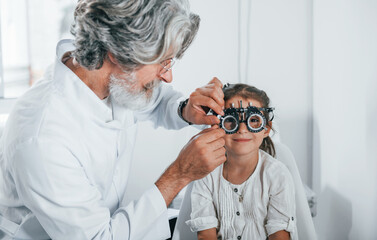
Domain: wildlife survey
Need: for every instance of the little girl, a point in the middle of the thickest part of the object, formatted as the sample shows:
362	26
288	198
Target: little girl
251	196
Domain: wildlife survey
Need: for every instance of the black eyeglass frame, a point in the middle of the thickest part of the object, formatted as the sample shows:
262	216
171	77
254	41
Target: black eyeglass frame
249	112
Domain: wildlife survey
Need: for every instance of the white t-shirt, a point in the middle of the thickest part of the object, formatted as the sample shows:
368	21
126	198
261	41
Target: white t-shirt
267	202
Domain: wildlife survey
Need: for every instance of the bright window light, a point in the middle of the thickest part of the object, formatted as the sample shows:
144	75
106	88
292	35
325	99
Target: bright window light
30	30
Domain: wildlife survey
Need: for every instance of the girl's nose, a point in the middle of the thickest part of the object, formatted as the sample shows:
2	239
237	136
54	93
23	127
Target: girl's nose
242	128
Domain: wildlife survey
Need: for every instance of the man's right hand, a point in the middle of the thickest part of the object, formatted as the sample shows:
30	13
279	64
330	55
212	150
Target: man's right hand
200	156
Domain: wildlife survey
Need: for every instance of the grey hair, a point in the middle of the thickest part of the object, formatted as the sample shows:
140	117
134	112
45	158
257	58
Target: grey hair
135	32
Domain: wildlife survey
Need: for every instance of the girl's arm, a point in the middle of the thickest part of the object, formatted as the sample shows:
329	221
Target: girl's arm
208	234
203	211
279	235
281	222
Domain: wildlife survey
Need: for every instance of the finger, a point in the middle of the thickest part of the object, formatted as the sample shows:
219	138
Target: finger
219	153
217	88
217	144
204	131
221	159
207	129
213	92
203	93
216	81
212	135
199	109
220	94
208	120
201	100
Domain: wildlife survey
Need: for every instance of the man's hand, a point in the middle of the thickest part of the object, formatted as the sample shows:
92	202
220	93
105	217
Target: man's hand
200	156
210	96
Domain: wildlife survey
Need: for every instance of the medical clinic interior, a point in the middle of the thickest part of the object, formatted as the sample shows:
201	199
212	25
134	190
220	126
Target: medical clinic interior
316	59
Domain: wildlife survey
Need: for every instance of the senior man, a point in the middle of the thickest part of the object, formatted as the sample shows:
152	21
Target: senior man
66	151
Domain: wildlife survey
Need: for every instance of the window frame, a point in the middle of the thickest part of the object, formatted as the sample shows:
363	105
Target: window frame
2	82
6	104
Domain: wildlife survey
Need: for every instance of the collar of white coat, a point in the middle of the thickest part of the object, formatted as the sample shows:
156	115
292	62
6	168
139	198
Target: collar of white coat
71	85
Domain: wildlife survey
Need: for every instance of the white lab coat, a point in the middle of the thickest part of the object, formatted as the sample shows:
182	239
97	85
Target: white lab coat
65	158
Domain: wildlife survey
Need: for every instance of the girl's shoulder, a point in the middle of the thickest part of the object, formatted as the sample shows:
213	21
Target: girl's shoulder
269	161
213	176
216	173
272	166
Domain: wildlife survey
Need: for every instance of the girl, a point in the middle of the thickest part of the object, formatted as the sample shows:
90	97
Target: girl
250	196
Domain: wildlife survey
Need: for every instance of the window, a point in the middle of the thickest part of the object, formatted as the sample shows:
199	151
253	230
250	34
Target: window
29	32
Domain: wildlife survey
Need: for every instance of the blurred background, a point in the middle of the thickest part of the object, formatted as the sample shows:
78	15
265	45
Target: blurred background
316	59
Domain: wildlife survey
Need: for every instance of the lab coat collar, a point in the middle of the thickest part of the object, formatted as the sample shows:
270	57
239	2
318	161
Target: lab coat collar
73	87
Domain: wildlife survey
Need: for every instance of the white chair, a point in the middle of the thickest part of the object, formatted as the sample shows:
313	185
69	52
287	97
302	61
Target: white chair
305	226
3	120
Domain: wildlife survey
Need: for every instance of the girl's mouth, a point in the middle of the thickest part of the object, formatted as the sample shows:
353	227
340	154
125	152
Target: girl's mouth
241	139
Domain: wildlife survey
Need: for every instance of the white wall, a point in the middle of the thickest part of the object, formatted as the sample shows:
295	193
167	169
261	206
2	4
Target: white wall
345	111
280	63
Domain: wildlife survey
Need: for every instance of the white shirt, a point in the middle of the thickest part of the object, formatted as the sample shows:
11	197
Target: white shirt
65	156
268	203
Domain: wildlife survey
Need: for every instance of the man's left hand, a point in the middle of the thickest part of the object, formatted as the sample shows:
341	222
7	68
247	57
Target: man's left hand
203	99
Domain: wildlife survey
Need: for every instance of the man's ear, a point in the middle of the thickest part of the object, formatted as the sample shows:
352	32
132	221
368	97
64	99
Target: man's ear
112	58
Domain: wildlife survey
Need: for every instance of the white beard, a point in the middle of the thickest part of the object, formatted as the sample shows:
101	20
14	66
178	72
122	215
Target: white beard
125	91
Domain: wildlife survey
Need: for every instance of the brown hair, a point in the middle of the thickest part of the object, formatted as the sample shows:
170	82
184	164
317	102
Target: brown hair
247	91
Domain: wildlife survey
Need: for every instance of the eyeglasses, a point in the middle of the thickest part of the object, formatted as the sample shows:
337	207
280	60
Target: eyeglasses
252	116
167	65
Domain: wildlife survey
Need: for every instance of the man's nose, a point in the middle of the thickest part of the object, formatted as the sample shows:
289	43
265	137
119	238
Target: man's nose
167	77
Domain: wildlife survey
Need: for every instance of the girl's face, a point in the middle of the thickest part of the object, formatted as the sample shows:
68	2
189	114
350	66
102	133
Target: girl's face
244	142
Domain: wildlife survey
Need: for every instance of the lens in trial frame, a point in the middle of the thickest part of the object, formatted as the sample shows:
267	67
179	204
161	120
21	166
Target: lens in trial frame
229	123
255	122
